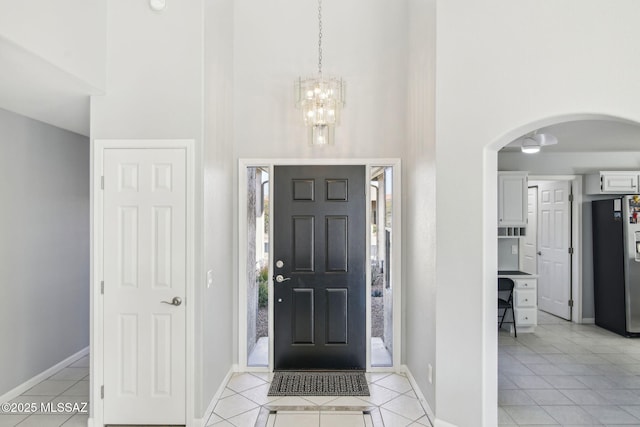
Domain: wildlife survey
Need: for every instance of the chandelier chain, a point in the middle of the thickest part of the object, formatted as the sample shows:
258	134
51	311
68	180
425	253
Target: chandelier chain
319	36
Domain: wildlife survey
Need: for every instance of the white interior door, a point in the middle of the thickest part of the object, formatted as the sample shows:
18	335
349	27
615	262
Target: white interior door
529	243
144	266
554	241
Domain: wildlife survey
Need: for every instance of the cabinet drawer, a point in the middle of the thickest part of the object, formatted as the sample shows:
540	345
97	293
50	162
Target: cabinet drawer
525	283
525	298
526	316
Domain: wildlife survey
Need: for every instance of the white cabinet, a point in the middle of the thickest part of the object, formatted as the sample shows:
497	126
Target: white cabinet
512	203
525	304
612	182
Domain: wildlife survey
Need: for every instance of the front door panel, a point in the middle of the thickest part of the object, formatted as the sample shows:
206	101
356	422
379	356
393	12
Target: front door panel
319	236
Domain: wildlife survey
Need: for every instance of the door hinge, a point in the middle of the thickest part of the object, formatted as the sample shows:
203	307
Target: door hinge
571	251
571	197
101	392
570	303
102	287
102	182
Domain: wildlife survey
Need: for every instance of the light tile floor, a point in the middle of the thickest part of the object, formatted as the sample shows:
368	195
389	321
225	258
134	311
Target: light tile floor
69	387
566	374
392	403
562	375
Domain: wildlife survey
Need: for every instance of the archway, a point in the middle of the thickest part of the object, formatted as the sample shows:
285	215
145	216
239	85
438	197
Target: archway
585	162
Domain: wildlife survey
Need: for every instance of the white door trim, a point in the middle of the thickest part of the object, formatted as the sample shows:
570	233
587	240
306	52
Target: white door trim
398	315
576	239
96	303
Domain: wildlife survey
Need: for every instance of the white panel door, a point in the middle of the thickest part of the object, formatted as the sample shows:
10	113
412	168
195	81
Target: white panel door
144	267
554	241
529	243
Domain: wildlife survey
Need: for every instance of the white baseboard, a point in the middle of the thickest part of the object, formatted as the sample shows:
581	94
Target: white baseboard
17	391
421	398
200	422
588	320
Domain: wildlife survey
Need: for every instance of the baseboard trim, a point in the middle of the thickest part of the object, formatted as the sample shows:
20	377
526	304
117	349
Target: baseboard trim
17	391
421	398
588	320
200	422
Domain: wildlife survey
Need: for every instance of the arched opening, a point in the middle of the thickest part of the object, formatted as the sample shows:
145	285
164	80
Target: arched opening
550	373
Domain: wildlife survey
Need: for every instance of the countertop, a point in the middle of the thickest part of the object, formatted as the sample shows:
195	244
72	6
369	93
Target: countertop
514	274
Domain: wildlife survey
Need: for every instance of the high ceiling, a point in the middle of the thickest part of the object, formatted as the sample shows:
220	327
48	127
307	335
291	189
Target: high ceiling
589	136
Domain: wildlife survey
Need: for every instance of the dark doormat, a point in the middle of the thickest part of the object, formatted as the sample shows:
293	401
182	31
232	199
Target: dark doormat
297	383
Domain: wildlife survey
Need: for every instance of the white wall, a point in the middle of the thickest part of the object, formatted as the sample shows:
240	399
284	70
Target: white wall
385	52
496	82
44	255
419	257
155	91
220	243
364	41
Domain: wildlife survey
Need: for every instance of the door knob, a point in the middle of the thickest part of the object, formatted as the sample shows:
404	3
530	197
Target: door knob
280	278
175	301
539	253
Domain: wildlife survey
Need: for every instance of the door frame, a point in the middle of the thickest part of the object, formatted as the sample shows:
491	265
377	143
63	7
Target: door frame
576	239
97	344
396	260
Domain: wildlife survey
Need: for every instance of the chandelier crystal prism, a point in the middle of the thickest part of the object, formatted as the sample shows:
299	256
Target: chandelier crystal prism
320	98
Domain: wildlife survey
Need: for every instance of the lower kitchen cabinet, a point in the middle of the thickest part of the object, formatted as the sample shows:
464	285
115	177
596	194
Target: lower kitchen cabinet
525	304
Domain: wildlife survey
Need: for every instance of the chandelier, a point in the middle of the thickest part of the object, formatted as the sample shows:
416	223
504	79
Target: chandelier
320	98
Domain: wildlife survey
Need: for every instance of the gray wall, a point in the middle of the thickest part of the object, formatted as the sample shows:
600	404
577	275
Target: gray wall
44	251
575	164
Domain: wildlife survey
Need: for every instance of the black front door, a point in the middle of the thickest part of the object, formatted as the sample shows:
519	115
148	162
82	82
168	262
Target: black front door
319	267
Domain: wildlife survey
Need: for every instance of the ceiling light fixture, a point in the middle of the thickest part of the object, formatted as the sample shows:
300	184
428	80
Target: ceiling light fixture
321	98
532	143
530	146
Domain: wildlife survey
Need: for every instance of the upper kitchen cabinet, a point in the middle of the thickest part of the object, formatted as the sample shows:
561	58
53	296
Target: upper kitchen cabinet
612	182
512	203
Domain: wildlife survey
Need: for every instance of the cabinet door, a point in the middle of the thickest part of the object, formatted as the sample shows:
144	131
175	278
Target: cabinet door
619	183
512	199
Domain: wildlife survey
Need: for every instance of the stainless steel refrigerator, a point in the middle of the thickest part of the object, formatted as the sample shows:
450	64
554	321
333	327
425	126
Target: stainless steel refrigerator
616	264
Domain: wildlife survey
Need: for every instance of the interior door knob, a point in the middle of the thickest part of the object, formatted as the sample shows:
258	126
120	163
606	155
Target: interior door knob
539	253
175	301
